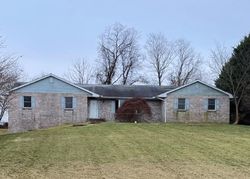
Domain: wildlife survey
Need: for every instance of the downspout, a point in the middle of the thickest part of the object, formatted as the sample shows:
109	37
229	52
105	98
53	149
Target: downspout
165	108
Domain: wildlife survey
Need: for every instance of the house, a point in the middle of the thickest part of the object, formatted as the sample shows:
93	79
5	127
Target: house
51	100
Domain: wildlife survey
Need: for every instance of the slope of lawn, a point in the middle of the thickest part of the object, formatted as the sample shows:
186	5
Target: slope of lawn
3	131
114	150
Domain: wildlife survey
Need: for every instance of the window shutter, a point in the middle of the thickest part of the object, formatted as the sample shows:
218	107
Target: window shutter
217	104
205	104
112	106
63	102
33	102
187	104
175	104
74	102
21	102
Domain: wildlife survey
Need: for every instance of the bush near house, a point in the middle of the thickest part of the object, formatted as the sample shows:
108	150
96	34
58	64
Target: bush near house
4	125
135	109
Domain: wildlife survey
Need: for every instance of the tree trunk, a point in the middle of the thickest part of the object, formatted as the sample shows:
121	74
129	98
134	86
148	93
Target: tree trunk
237	118
159	81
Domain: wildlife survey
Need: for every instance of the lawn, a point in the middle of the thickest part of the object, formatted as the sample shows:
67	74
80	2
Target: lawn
114	150
3	131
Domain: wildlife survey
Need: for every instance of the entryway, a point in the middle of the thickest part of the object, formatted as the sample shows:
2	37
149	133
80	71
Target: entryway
93	109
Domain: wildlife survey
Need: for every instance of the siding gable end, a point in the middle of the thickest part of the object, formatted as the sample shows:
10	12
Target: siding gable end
197	89
50	85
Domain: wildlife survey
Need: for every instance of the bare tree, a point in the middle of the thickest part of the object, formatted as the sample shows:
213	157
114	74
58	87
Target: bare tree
118	55
187	64
80	72
219	56
10	72
160	53
131	63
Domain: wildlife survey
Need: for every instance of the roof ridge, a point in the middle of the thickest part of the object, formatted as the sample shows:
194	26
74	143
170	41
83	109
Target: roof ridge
126	85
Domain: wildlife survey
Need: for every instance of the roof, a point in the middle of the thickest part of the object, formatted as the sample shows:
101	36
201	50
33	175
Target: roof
125	91
197	81
17	84
20	85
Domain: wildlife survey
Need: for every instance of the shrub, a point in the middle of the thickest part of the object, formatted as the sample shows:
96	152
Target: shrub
4	125
135	109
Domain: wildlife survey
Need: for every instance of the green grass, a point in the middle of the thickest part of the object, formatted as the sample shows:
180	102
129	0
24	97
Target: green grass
113	150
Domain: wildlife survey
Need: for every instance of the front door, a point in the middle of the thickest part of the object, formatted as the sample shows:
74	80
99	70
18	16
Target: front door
93	109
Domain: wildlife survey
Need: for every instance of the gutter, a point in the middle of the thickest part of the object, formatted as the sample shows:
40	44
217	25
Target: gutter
124	98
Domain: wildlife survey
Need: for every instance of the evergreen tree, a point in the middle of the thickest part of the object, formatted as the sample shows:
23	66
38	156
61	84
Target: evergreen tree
235	75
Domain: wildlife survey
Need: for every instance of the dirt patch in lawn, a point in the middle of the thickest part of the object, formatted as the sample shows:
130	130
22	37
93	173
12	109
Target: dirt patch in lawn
132	170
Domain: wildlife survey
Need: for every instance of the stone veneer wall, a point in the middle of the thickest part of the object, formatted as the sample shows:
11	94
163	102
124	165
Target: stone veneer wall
105	109
197	111
47	112
156	110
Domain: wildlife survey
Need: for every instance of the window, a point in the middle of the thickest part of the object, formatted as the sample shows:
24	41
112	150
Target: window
27	101
181	103
211	104
68	102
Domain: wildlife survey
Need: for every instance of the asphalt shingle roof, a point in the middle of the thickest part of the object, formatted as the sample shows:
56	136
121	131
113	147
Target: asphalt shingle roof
145	91
127	90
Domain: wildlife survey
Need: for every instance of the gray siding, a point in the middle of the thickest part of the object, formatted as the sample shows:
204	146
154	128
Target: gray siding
50	85
197	89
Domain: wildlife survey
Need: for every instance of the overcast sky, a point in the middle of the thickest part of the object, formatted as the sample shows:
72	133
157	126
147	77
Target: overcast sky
50	34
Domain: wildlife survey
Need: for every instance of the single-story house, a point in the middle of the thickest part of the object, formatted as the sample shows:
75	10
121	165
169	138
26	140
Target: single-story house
51	100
